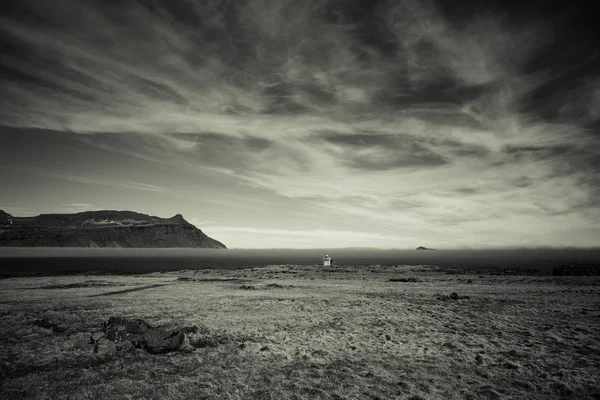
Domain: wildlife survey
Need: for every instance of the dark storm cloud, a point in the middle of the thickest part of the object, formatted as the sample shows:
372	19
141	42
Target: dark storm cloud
573	98
257	57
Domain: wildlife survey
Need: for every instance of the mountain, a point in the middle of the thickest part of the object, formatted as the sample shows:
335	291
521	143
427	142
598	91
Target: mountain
423	248
102	229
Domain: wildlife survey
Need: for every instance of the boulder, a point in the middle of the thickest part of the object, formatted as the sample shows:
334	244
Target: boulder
46	324
186	345
162	339
118	328
105	347
94	336
126	333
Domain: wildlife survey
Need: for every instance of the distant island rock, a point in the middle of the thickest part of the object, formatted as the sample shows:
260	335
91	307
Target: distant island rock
423	248
106	228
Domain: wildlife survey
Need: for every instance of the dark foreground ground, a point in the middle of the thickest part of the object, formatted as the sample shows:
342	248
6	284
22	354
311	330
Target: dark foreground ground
305	332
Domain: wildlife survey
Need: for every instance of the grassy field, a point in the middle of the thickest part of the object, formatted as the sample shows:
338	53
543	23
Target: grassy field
305	332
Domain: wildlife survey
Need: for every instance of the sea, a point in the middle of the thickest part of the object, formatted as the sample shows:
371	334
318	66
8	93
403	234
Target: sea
56	261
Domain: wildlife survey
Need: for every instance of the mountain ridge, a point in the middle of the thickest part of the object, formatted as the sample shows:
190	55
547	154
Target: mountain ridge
102	228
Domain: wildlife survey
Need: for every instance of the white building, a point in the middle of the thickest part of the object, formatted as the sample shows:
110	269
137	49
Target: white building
327	261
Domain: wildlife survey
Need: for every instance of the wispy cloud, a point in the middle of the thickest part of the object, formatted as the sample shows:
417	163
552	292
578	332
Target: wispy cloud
94	181
396	114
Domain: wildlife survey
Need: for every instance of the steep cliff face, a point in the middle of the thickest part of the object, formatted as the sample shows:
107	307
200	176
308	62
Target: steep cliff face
102	229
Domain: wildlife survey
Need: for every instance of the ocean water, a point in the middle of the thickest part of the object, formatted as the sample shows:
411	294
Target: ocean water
72	260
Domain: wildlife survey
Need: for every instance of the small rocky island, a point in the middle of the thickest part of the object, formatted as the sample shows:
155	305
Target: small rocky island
106	228
423	248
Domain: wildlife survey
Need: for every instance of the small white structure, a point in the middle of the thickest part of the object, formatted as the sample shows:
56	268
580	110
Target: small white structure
327	261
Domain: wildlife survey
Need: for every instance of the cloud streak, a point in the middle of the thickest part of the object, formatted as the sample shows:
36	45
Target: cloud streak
93	181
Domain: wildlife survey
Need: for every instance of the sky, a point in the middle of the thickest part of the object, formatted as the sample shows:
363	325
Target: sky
308	124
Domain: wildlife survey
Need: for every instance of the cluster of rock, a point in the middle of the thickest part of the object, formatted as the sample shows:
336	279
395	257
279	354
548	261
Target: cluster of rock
46	324
121	334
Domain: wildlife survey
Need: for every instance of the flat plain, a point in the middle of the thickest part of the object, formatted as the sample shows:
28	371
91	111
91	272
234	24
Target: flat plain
307	332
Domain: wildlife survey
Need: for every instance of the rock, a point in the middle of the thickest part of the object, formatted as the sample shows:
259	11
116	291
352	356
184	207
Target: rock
105	346
127	345
123	332
95	336
186	345
46	324
126	333
453	296
510	365
595	394
162	339
118	328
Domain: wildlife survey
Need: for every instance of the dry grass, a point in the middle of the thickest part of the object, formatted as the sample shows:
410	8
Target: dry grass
308	333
